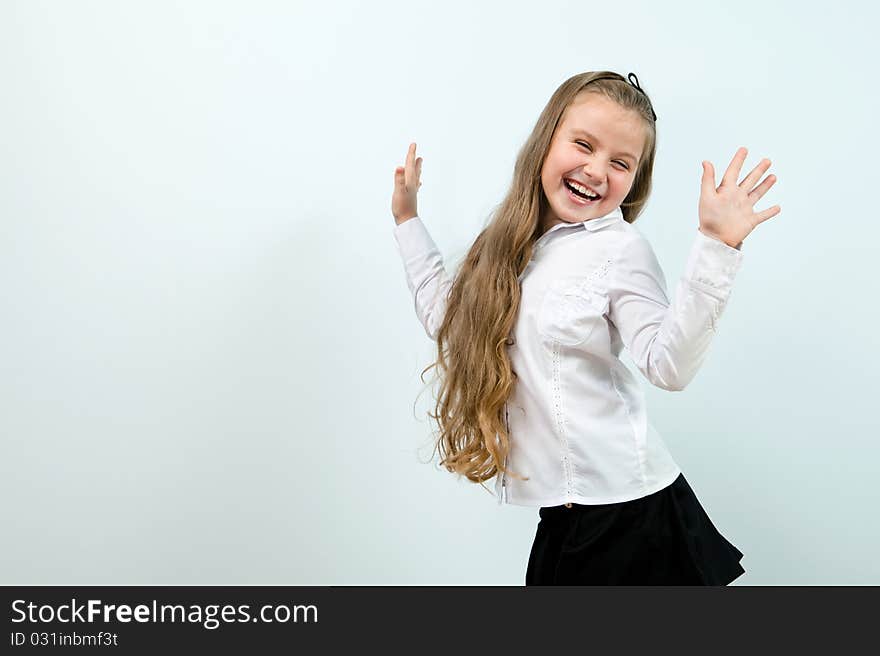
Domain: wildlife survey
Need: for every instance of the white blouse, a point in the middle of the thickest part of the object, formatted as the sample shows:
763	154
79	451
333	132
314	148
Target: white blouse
576	415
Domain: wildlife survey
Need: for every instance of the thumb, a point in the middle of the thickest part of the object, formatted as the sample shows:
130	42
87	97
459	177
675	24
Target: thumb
399	177
707	184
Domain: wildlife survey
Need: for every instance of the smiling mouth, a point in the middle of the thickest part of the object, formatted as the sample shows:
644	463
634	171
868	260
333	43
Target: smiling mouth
578	195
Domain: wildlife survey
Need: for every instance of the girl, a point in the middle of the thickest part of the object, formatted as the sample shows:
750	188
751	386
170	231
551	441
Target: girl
530	330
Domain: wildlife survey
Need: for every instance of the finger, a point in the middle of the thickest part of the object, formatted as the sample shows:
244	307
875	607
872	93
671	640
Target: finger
756	193
707	184
769	213
399	176
410	164
731	175
752	178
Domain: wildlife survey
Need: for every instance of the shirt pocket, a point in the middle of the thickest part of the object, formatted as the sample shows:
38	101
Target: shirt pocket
570	311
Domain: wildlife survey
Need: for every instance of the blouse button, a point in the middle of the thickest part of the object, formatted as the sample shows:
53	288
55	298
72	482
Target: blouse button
568	505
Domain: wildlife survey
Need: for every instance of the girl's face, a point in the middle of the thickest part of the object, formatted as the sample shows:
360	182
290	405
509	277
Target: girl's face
598	144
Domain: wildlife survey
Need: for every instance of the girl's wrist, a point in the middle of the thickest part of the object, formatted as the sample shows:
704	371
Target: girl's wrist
719	238
399	221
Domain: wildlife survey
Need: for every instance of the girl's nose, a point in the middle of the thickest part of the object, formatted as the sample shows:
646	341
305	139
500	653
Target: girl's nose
594	171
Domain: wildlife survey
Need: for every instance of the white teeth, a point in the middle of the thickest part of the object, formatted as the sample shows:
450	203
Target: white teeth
582	189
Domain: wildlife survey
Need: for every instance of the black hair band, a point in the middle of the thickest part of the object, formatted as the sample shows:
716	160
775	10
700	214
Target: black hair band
634	81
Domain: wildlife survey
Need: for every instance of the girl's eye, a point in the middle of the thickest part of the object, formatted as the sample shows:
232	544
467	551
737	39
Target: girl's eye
584	143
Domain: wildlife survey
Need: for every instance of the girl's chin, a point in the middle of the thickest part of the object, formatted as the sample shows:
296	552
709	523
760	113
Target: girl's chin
579	213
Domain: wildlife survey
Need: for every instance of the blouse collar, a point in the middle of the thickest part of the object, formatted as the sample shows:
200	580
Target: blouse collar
590	224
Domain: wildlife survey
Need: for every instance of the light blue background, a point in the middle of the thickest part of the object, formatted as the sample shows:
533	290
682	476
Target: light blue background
209	358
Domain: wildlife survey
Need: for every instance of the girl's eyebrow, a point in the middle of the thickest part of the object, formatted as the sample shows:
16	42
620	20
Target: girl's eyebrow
590	136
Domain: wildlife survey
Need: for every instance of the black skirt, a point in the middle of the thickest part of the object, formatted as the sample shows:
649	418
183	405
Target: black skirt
665	538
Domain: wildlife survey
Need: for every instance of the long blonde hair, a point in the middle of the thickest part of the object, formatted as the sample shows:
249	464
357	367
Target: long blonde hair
472	361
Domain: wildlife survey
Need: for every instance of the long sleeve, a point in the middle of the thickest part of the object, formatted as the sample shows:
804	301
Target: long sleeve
425	274
668	342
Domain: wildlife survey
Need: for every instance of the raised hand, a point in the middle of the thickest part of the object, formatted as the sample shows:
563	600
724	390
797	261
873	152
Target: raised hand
406	187
726	212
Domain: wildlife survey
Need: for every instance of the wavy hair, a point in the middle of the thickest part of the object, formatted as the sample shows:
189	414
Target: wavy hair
473	366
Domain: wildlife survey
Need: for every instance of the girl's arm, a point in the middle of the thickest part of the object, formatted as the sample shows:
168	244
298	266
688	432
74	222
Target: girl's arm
425	273
426	276
669	341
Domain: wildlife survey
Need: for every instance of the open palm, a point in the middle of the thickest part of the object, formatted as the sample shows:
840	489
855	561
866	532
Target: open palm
727	211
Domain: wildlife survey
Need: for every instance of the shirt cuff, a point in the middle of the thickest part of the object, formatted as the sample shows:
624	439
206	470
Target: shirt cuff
412	237
712	265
